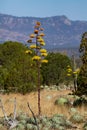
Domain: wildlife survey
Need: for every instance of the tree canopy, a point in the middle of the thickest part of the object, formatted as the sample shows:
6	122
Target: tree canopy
82	78
18	72
55	71
16	68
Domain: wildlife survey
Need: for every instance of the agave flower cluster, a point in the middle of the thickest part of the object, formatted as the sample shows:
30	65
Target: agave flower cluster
70	72
37	43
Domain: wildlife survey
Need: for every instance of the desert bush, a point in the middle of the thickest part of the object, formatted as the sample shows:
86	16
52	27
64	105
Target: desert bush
29	126
22	116
60	122
62	101
85	126
58	118
73	111
77	118
44	120
20	126
79	102
56	122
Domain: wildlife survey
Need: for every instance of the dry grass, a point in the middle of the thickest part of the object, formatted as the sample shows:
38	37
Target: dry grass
47	104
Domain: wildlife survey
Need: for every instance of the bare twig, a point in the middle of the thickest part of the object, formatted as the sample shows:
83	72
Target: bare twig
33	116
10	123
14	108
4	113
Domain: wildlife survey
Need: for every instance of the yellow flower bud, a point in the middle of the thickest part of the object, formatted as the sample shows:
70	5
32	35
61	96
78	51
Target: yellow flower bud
68	74
42	34
42	43
41	29
36	58
44	61
38	23
74	72
28	52
38	37
33	46
32	36
69	70
43	54
29	41
43	50
36	31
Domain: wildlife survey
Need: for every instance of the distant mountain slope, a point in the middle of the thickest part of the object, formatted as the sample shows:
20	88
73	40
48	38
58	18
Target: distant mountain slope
59	30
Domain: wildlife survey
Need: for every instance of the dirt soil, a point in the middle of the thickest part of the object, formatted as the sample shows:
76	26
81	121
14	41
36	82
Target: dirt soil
48	107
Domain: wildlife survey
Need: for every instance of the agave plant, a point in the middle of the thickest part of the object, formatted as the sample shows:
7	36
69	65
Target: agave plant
73	71
36	44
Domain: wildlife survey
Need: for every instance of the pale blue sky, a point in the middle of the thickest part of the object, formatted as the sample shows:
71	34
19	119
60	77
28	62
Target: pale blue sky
73	9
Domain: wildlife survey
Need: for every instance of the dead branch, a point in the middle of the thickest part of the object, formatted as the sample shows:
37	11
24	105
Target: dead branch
4	113
14	109
9	122
33	116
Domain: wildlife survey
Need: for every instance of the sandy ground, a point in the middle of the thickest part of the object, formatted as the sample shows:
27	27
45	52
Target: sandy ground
48	98
48	107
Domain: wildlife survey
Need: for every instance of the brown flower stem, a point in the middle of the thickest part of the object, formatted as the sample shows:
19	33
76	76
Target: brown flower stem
39	106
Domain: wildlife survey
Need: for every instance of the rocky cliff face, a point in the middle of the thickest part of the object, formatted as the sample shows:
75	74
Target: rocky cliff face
59	30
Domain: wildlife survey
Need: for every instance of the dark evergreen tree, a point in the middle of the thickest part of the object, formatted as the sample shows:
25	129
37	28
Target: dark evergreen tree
54	72
82	78
17	71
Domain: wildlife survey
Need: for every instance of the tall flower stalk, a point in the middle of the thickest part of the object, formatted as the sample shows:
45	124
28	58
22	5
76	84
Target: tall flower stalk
36	43
73	71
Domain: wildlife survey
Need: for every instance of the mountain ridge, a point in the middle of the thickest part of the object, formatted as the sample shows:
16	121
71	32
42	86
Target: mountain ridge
60	31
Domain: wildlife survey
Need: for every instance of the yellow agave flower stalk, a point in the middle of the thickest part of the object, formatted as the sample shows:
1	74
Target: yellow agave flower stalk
43	51
36	58
40	53
44	54
42	34
28	52
36	31
32	35
68	66
38	23
69	70
29	41
44	61
37	26
38	47
68	74
38	37
33	46
74	72
41	29
42	43
77	70
40	40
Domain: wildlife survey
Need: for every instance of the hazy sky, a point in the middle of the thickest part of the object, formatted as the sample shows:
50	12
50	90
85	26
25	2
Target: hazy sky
73	9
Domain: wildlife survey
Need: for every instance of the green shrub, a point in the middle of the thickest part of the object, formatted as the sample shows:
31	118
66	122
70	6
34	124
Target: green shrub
79	102
77	118
61	101
20	127
85	126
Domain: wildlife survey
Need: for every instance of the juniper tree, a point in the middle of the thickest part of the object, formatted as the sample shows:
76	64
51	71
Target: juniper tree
82	78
